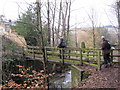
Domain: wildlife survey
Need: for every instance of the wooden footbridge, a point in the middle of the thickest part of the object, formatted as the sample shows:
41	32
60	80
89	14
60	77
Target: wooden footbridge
68	55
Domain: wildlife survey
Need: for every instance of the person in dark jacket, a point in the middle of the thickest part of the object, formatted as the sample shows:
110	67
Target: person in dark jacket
106	51
62	44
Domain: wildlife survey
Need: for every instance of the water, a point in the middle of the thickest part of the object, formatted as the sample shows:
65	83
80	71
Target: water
64	80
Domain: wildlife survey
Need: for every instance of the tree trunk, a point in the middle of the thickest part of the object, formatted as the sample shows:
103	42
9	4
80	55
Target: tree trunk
53	31
40	33
118	16
49	32
92	19
64	15
68	24
94	46
59	22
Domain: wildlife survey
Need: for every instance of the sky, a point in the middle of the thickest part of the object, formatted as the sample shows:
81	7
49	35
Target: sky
79	11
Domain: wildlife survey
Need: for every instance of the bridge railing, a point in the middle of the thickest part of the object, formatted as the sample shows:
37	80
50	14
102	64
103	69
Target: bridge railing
92	57
33	52
115	54
69	55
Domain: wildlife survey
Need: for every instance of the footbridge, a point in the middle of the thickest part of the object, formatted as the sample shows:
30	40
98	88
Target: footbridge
68	55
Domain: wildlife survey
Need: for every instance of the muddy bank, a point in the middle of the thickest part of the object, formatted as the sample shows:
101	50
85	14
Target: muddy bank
105	78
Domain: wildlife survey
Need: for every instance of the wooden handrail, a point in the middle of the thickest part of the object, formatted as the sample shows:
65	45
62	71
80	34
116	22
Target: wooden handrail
71	55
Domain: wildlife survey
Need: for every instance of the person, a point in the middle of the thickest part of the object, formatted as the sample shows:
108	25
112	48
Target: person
62	44
106	48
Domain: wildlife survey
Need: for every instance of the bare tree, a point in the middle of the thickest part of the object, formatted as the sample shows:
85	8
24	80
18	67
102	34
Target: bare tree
66	11
53	24
59	20
68	21
48	18
40	33
64	18
93	23
62	22
118	17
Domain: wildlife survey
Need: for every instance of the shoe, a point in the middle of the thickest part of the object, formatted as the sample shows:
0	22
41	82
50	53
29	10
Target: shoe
110	64
106	66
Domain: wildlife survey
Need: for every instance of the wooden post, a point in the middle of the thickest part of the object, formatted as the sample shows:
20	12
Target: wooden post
112	55
99	58
46	53
81	63
23	53
62	52
76	74
87	55
34	53
69	54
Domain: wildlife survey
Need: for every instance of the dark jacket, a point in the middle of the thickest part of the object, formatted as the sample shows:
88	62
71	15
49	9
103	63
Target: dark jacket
62	43
104	48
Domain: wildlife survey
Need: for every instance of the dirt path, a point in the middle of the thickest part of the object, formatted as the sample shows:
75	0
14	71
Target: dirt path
106	78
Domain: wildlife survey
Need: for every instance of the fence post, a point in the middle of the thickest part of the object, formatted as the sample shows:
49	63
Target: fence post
23	52
76	75
112	55
87	55
69	54
81	63
62	54
99	58
45	53
34	53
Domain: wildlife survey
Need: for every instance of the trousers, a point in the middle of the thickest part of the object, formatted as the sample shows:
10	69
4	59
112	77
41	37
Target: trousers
107	58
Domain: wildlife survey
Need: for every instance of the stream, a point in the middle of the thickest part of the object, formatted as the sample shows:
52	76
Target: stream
61	80
67	78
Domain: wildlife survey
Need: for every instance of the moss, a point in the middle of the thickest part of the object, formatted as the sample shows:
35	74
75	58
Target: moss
85	74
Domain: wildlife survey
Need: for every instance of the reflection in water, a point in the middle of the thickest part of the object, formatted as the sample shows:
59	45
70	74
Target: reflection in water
64	81
69	79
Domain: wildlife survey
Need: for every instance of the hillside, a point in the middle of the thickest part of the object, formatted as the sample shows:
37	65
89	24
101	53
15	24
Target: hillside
14	37
105	78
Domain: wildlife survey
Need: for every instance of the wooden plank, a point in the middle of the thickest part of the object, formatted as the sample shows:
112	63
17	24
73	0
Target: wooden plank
65	60
74	66
90	64
36	55
116	49
52	52
98	58
73	54
116	55
81	57
31	50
